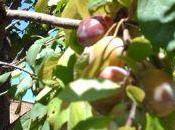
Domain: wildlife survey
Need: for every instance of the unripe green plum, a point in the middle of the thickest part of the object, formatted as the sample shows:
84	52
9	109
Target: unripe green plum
115	48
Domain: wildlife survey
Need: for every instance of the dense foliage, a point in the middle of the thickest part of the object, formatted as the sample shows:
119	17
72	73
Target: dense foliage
115	71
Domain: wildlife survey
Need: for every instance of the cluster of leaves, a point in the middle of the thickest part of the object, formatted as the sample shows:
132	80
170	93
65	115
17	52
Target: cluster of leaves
69	93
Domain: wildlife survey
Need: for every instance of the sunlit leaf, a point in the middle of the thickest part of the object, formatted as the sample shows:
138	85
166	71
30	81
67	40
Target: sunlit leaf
153	123
43	93
73	43
22	87
136	94
46	71
89	90
46	126
80	65
52	2
16	73
64	68
78	111
34	50
125	3
38	112
42	6
62	118
94	4
23	123
55	116
94	123
4	77
127	128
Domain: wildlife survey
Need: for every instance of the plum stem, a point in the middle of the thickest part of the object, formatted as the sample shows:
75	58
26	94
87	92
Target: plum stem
131	115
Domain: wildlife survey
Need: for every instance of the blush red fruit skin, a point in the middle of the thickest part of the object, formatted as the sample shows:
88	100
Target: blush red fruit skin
113	73
160	94
106	21
116	74
92	29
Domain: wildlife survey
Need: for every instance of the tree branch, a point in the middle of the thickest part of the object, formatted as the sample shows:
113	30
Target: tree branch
42	18
16	67
131	115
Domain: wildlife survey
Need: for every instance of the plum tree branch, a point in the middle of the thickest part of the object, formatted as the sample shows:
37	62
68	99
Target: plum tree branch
16	67
42	18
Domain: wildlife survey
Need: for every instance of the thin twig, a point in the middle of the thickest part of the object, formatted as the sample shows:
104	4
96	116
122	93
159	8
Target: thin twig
20	61
110	29
131	115
14	66
3	93
126	36
126	39
118	27
12	24
43	18
18	55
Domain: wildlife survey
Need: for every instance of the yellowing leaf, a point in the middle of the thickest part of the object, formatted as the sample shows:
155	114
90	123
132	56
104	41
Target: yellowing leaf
42	6
47	68
70	11
78	111
135	94
127	128
82	7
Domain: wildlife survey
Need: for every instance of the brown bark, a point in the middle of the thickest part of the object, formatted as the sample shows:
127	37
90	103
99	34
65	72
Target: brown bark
4	113
42	18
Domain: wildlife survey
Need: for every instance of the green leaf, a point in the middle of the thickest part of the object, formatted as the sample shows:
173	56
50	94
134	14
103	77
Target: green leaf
45	52
76	114
127	128
153	123
119	113
70	11
136	94
23	123
38	112
28	1
73	43
46	71
22	87
42	6
93	123
131	63
81	63
55	116
43	93
140	49
34	50
169	121
62	118
94	4
65	65
16	73
52	2
157	21
46	126
26	123
125	3
4	77
89	90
